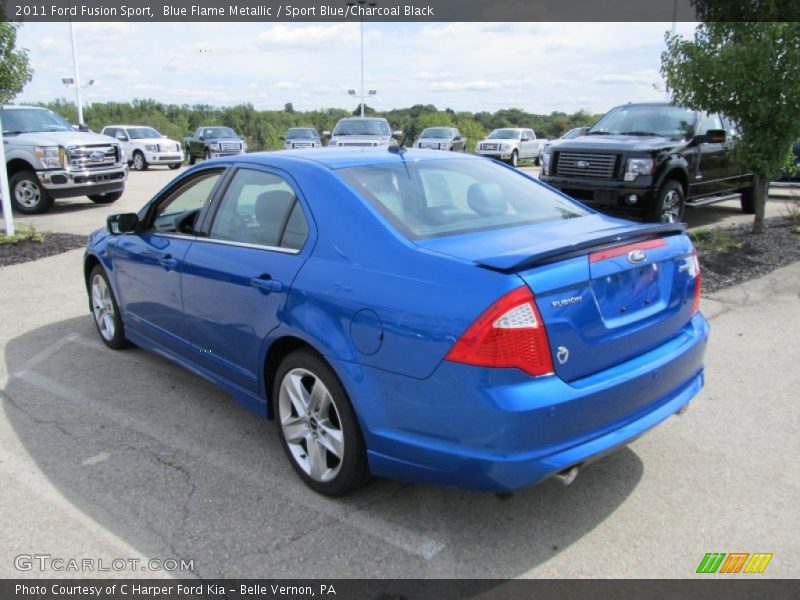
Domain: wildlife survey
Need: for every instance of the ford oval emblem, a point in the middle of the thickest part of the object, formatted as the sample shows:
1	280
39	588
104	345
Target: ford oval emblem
637	256
97	155
581	164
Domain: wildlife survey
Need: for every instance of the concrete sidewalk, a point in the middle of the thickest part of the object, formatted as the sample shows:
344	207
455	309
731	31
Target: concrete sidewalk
123	455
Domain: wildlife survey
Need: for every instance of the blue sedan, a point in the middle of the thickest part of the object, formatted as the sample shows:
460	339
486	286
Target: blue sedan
414	315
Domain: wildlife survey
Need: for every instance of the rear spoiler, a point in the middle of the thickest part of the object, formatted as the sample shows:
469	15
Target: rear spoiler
582	247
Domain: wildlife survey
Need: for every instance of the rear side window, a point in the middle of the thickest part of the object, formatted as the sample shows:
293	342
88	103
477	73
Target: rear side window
446	197
260	208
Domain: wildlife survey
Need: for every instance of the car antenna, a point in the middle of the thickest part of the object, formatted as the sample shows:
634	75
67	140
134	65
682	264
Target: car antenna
401	147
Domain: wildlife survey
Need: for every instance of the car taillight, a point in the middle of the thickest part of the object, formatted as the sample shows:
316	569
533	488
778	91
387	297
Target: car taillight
697	280
510	333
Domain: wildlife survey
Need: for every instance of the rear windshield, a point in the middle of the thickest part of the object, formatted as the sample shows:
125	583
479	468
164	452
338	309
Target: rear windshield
446	197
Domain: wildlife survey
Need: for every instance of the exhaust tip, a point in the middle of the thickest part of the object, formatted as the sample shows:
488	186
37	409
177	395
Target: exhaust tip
567	476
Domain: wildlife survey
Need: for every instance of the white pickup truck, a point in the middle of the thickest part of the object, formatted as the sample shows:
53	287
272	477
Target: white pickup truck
47	159
511	144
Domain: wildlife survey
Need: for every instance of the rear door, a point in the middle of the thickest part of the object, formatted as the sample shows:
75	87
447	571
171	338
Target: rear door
614	304
237	277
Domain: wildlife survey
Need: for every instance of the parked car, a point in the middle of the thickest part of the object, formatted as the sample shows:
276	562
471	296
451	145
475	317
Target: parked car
369	132
441	138
211	142
452	322
570	134
47	159
301	137
144	146
651	159
511	144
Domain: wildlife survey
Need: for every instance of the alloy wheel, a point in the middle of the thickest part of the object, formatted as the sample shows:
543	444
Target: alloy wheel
671	207
27	193
103	308
138	161
311	425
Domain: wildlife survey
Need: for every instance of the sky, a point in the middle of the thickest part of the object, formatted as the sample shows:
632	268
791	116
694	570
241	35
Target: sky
538	67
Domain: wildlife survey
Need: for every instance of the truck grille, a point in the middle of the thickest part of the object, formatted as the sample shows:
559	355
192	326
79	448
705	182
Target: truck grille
594	166
361	144
168	147
230	146
491	147
302	144
93	157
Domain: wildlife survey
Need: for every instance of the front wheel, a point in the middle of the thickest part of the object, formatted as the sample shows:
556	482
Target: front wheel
538	161
206	155
105	310
108	198
669	205
174	166
27	194
514	161
317	425
189	157
139	161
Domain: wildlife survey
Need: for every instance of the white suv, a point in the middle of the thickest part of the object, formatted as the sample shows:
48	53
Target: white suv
144	146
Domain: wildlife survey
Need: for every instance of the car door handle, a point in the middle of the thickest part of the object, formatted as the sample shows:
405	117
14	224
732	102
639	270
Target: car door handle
266	283
167	262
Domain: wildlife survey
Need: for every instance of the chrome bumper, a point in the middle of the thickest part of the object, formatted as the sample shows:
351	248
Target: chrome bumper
62	179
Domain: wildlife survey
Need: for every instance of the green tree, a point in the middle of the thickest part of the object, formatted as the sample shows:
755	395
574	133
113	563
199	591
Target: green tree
749	71
15	70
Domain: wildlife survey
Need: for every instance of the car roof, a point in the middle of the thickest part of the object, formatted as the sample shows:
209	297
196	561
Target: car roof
147	126
341	158
18	106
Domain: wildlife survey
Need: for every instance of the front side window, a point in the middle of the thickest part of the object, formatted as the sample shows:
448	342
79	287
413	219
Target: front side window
260	208
178	212
446	197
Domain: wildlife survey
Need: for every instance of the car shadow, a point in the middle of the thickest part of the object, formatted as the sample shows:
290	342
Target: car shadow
174	467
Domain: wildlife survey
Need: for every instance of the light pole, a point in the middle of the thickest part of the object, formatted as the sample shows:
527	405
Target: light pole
77	75
370	4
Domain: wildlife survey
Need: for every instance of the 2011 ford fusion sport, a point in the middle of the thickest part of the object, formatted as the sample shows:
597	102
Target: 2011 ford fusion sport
408	314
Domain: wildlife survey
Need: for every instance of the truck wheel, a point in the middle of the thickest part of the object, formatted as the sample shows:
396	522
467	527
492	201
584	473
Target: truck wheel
206	155
139	162
174	166
669	205
514	160
538	161
106	198
748	200
189	157
27	194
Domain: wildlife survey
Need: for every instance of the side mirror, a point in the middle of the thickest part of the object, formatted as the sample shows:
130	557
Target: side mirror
712	136
398	135
163	136
526	139
122	223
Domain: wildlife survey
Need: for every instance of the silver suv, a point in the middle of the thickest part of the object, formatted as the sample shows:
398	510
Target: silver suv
369	132
47	159
511	144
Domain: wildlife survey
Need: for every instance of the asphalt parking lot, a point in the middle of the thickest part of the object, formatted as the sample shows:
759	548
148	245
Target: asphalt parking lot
110	455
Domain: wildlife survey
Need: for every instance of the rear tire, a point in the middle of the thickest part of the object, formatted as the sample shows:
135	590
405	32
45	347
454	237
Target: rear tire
748	200
669	205
28	196
317	425
108	198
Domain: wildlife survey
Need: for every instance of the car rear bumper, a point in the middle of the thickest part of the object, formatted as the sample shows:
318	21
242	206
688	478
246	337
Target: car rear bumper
500	430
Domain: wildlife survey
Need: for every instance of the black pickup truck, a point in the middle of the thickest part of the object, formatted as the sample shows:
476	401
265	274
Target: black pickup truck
213	141
652	159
